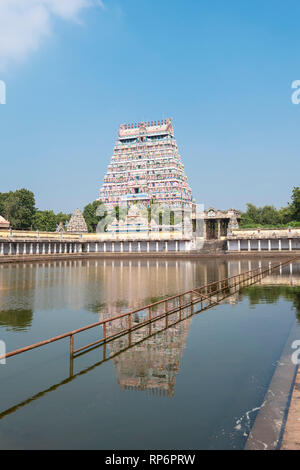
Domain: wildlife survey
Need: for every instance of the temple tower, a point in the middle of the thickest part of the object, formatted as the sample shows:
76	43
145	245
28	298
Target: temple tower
146	167
77	223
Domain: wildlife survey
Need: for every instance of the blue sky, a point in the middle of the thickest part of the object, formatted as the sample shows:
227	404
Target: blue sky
76	69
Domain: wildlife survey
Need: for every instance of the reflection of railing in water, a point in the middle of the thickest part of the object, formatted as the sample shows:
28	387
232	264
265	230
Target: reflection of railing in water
205	296
130	344
105	358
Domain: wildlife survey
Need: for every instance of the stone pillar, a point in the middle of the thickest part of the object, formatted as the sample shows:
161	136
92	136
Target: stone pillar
80	248
259	245
279	244
219	229
122	247
104	247
148	247
113	247
55	249
97	247
43	249
75	247
17	249
157	246
239	245
24	248
10	248
290	244
130	247
37	250
166	246
269	245
2	249
176	245
249	245
66	248
139	247
60	248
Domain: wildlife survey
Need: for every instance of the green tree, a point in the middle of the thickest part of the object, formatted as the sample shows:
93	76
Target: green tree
90	215
269	215
44	221
295	204
251	216
18	207
285	215
62	217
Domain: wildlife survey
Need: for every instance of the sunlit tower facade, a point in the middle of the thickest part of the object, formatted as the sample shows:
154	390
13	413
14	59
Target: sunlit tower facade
146	167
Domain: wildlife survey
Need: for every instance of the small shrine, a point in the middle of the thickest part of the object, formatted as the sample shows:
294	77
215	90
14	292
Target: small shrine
77	223
133	222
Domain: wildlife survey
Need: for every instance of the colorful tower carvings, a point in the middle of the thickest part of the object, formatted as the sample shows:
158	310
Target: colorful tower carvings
146	167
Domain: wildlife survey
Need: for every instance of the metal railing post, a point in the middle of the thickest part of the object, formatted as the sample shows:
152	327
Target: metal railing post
71	345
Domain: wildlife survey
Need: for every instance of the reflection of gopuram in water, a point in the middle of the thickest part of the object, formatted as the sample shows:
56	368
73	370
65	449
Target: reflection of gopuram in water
147	359
150	365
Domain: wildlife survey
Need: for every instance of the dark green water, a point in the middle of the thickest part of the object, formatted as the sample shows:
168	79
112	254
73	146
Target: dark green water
198	384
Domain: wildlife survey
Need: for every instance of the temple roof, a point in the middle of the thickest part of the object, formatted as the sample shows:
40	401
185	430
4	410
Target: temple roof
4	223
153	127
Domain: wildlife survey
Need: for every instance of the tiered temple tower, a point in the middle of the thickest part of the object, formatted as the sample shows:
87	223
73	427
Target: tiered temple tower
146	167
77	223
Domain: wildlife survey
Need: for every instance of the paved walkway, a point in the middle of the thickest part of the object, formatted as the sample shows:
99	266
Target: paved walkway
291	436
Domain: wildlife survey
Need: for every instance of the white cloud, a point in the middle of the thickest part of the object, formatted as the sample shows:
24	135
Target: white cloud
25	23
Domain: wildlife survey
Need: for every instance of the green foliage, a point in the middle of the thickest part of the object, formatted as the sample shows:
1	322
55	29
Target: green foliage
18	207
295	204
90	215
47	221
61	217
44	221
269	217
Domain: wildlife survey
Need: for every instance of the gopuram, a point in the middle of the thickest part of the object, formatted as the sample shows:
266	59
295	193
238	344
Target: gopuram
146	167
146	171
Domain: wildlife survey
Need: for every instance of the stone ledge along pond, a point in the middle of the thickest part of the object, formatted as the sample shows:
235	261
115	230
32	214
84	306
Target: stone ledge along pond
202	383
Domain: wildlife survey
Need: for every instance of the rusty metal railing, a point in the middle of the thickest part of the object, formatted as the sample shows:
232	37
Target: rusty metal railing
205	296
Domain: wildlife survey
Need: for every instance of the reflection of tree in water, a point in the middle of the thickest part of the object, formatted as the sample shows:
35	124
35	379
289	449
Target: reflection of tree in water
16	320
271	294
96	307
120	306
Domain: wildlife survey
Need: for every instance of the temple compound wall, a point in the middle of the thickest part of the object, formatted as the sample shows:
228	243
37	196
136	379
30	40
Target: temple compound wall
264	240
17	243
